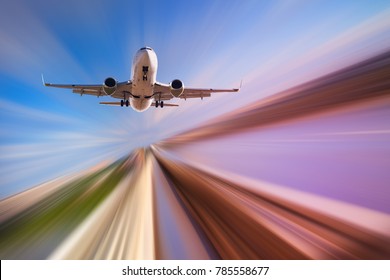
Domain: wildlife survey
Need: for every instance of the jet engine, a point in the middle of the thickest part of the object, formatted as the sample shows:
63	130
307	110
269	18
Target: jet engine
176	87
109	86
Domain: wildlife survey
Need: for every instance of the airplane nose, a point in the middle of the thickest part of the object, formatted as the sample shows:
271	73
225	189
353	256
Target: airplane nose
146	48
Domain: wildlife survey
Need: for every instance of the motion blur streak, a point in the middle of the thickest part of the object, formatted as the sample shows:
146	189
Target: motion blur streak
245	220
122	227
365	80
302	174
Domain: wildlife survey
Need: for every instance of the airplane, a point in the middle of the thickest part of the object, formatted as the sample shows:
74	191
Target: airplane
142	91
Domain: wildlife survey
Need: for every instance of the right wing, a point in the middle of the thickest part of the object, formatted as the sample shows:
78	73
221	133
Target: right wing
162	92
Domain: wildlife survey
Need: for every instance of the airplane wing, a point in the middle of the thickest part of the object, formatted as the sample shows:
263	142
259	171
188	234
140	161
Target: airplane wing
123	88
162	92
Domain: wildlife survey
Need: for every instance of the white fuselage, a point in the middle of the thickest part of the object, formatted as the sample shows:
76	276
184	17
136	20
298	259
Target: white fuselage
144	71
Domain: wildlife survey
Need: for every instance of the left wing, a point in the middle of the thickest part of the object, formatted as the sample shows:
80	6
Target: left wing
162	92
123	89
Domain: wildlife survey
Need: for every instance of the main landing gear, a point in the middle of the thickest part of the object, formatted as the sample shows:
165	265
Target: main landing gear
159	103
125	102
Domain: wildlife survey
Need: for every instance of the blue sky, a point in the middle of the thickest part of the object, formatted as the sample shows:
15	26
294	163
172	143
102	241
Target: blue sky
271	45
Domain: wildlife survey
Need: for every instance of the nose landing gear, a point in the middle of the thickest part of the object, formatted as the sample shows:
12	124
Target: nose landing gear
145	70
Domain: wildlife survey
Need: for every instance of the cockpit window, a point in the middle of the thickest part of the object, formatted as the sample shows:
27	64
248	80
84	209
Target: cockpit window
146	48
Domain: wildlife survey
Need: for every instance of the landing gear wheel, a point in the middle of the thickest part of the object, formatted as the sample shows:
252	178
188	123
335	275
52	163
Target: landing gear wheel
156	104
127	103
121	103
162	104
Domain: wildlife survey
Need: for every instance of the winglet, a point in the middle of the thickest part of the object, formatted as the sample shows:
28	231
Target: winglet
43	81
238	89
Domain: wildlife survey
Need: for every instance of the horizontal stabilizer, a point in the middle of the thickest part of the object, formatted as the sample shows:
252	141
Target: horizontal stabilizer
166	104
153	104
111	103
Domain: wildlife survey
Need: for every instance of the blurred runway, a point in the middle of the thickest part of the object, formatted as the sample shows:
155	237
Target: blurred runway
302	174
